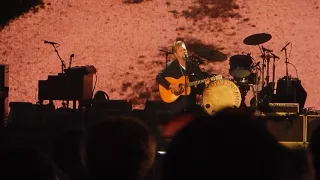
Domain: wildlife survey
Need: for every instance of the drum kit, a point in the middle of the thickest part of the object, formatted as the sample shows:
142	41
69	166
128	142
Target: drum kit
247	74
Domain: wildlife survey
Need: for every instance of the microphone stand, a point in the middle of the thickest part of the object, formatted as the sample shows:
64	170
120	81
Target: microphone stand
167	54
63	65
185	81
273	73
287	72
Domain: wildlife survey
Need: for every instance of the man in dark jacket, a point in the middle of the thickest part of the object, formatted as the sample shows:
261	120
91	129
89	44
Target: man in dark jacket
182	66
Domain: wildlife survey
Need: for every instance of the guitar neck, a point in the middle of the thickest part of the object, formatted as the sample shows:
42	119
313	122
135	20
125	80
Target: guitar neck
194	83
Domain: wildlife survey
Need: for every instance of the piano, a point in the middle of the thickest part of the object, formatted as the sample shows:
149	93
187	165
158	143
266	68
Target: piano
75	84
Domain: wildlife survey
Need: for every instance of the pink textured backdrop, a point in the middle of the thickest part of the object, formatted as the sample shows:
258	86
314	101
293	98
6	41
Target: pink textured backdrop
122	40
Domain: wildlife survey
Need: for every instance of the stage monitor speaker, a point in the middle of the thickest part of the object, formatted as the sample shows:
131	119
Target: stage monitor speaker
113	105
156	106
4	91
291	92
313	122
286	128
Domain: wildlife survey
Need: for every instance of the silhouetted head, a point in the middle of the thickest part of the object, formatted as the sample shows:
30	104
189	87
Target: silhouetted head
25	163
120	148
314	148
67	151
232	144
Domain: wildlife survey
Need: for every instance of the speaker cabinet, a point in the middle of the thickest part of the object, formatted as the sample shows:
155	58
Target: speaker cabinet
291	91
313	122
4	91
286	128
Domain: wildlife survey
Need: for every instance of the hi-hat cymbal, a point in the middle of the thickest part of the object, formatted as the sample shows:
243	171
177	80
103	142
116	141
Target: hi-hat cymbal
257	39
210	55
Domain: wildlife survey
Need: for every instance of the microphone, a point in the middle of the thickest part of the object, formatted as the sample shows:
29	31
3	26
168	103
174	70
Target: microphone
186	55
72	55
285	46
165	51
49	42
267	50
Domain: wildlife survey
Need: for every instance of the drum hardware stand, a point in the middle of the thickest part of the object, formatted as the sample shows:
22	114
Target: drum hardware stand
268	69
255	87
266	55
263	67
243	92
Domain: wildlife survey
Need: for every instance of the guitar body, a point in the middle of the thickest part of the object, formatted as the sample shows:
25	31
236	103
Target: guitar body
167	95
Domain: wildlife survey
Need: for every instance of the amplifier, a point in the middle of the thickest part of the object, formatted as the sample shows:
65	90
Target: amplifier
313	122
286	128
281	108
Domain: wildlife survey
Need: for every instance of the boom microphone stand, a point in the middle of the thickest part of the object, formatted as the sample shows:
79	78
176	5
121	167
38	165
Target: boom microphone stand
167	54
286	62
63	65
274	71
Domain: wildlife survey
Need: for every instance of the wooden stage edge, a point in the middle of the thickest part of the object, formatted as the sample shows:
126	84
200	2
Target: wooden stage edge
295	145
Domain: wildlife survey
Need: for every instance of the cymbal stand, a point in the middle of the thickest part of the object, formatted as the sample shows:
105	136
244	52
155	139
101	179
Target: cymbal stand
273	73
255	87
268	69
263	56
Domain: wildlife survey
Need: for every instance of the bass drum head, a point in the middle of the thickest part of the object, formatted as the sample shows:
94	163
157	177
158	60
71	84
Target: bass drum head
220	94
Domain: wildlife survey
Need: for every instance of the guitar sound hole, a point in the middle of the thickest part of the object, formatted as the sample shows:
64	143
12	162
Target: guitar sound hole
207	106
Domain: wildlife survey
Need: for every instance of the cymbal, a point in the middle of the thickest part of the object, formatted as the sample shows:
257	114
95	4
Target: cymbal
257	39
195	59
210	55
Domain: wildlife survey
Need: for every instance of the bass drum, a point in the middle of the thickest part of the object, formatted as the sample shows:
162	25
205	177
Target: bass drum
219	95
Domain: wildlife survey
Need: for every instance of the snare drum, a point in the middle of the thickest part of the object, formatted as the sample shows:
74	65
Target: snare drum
240	66
221	94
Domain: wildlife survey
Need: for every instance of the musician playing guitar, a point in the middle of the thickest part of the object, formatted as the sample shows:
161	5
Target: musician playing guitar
179	69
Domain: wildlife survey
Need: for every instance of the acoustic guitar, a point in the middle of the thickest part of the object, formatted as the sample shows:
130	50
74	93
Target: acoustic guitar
168	96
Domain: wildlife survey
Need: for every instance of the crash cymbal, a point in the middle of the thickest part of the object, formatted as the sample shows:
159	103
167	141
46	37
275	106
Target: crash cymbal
210	55
197	60
257	39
